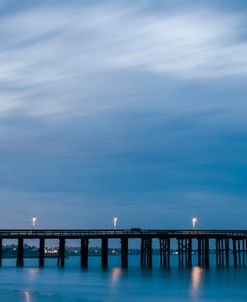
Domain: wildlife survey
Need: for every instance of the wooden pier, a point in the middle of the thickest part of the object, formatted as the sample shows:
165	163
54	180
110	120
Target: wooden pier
229	246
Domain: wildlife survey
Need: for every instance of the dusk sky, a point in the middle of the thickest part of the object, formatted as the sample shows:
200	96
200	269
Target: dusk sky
130	108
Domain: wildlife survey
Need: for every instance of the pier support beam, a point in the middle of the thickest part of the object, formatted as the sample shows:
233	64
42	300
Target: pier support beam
41	252
104	252
165	252
218	252
239	246
146	252
1	251
239	252
222	252
203	252
234	249
84	252
199	251
61	253
190	252
184	252
206	251
124	252
227	252
243	252
20	253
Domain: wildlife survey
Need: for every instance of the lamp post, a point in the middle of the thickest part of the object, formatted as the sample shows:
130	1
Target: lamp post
34	220
194	221
115	220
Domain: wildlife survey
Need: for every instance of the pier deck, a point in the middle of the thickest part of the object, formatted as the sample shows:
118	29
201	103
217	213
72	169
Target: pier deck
187	242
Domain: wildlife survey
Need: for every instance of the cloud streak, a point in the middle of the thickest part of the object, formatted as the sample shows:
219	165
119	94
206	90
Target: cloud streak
118	105
51	49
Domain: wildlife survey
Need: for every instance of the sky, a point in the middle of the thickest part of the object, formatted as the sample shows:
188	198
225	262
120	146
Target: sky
134	109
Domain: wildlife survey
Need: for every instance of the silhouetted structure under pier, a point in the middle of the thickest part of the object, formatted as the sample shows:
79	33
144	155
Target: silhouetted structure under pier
229	246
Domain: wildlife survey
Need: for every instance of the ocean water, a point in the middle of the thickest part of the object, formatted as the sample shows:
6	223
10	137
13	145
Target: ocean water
31	284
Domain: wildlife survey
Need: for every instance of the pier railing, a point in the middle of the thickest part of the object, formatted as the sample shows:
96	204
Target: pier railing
69	233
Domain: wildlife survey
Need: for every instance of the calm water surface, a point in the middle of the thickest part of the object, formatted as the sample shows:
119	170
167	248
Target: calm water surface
32	284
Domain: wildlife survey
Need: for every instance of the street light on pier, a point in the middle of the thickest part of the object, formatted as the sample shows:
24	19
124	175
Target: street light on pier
194	222
34	220
115	220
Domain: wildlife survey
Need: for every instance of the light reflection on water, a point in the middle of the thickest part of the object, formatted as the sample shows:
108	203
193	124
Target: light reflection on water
71	284
33	271
196	279
116	274
27	296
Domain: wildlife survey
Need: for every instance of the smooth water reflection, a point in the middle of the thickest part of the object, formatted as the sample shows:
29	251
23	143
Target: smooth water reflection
196	278
116	274
27	296
32	284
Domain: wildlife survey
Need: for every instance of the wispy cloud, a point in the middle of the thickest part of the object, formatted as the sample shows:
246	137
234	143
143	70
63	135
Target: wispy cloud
46	50
122	104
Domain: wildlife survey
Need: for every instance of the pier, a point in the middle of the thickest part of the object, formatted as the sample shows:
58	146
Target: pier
229	246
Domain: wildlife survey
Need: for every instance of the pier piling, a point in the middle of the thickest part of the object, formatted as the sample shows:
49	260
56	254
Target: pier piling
199	251
146	252
20	253
1	251
84	252
61	253
124	252
41	252
104	253
185	252
164	252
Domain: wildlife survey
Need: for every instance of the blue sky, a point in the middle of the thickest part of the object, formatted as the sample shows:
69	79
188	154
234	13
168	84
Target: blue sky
135	109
